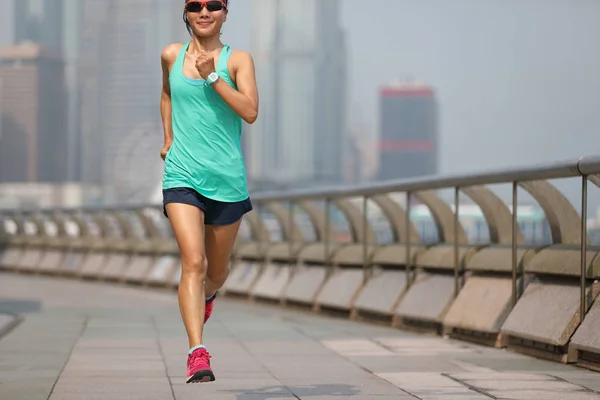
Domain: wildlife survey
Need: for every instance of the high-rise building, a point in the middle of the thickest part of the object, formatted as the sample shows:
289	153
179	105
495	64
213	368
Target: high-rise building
27	21
300	135
121	82
39	21
55	24
408	143
92	45
34	135
71	45
332	141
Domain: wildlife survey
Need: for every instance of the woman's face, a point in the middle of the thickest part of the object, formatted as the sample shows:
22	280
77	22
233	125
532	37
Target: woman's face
206	17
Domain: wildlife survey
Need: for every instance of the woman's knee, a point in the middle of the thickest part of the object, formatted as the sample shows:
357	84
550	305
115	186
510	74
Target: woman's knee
218	274
196	264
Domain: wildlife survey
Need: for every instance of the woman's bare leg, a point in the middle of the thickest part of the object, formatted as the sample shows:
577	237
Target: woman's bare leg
188	226
219	244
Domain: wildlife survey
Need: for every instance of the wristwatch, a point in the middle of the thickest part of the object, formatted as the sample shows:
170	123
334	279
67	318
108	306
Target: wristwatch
212	78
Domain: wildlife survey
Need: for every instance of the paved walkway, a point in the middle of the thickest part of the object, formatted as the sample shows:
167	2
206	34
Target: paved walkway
97	342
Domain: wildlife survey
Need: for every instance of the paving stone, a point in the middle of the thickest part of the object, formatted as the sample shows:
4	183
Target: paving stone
424	346
590	380
524	385
131	395
233	389
516	363
291	348
453	396
430	385
503	376
26	389
420	379
470	367
406	364
357	347
543	395
143	387
312	367
7	321
25	373
366	385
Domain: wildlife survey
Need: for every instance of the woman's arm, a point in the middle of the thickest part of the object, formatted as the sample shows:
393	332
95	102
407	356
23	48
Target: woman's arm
167	60
243	101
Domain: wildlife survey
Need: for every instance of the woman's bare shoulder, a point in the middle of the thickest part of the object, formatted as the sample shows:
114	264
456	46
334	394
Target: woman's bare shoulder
170	52
241	59
240	56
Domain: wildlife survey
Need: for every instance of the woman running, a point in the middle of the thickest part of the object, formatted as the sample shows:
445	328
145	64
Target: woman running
208	89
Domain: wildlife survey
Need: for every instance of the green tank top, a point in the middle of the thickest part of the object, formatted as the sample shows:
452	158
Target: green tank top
205	154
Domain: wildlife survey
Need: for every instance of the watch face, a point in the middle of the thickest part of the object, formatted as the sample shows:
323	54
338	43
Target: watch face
213	77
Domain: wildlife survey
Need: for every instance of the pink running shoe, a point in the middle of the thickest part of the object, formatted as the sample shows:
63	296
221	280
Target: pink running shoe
208	308
198	367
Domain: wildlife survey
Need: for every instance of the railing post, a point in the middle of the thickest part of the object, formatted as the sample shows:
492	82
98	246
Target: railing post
365	230
407	232
291	239
327	231
582	306
456	224
263	238
514	243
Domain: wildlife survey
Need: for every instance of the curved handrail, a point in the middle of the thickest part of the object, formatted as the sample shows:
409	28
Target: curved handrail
567	227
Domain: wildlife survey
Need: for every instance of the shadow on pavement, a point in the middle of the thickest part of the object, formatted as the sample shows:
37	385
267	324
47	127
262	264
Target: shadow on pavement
282	392
19	306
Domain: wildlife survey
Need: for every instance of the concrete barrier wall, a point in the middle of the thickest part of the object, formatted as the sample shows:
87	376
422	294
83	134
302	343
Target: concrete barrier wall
9	259
381	293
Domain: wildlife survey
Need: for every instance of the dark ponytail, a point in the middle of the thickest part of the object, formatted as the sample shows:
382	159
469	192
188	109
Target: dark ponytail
187	23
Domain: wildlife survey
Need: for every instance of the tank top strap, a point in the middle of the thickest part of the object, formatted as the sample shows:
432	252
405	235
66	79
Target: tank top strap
178	65
223	59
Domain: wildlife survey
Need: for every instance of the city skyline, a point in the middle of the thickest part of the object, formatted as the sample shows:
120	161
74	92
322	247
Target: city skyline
492	70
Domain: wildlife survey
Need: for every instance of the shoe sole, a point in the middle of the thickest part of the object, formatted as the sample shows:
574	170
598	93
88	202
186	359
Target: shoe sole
201	377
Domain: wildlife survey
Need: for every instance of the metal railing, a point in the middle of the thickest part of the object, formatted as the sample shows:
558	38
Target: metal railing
283	205
584	167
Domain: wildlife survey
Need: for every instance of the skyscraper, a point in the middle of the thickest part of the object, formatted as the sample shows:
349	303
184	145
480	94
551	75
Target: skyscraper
300	56
409	133
39	21
332	142
93	35
33	118
54	25
121	77
27	21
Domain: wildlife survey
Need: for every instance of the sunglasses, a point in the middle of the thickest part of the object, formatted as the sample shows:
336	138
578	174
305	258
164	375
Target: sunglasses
197	6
